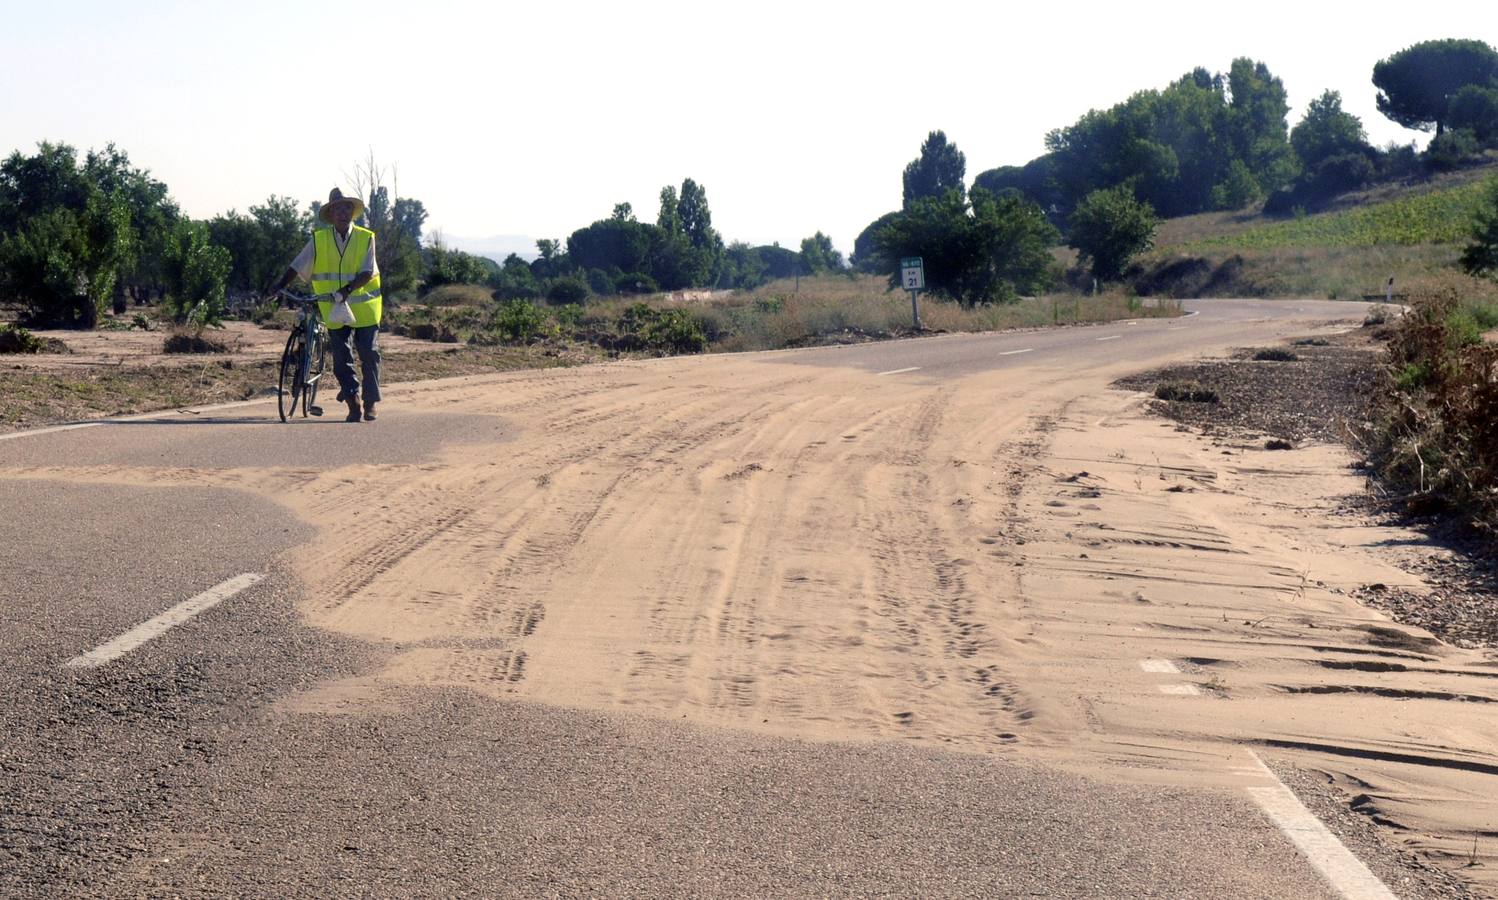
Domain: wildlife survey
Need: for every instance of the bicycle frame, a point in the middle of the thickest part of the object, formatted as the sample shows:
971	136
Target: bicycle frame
303	358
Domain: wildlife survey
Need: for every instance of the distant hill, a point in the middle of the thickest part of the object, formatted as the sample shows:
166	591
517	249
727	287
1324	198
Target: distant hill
496	247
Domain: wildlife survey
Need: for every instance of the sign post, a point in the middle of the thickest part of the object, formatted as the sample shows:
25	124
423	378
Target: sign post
913	276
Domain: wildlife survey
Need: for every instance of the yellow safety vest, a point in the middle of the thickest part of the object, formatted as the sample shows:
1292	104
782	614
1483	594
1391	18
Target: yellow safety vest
332	270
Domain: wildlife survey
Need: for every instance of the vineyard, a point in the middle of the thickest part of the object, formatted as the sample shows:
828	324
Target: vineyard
1436	217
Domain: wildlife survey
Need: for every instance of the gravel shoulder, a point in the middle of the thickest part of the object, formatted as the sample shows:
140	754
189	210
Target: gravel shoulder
1313	399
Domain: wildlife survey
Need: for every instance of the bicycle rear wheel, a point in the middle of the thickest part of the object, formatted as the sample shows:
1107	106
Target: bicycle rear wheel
290	386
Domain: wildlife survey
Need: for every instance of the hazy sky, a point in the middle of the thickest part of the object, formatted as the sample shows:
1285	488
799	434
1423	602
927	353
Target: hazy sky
535	118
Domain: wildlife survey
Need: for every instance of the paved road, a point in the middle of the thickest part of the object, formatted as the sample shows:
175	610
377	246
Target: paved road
186	768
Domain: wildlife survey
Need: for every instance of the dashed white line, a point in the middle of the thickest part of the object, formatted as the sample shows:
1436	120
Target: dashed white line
1013	352
1111	337
898	371
1331	858
151	628
1159	665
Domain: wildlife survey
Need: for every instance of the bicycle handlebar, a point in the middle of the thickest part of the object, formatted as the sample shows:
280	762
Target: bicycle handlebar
302	298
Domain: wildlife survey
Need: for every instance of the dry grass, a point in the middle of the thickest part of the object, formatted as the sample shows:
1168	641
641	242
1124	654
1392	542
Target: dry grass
457	295
838	309
1434	437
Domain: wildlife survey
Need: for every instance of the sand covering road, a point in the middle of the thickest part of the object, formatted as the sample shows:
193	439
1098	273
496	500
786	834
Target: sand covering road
982	566
991	564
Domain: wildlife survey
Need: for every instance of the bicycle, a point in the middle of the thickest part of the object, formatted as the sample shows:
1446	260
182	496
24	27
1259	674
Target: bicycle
303	361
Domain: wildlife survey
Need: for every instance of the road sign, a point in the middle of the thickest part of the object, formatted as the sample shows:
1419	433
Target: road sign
912	273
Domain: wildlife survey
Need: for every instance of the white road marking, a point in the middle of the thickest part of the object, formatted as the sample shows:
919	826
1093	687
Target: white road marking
898	371
178	614
195	410
1182	690
1331	858
1159	665
1013	352
34	431
1111	337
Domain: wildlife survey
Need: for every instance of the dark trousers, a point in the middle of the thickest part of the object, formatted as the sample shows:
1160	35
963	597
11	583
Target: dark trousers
366	340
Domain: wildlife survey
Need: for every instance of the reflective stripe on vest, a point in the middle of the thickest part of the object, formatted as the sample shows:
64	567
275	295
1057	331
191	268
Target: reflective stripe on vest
332	270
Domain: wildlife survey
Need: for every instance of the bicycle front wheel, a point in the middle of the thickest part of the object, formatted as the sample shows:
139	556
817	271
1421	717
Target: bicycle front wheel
290	387
316	359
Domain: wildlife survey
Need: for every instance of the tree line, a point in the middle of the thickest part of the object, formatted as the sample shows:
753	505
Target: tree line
79	237
1204	142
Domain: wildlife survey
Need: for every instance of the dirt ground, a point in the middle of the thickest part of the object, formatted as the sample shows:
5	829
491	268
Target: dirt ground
134	348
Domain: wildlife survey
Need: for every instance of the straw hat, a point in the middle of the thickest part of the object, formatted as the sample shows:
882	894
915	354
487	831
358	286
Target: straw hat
335	196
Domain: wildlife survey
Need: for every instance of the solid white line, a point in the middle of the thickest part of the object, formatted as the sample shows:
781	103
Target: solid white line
178	614
1183	690
1331	858
898	371
34	431
1013	352
139	417
1111	337
1159	665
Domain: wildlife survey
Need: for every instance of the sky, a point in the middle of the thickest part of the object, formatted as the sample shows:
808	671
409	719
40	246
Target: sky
516	121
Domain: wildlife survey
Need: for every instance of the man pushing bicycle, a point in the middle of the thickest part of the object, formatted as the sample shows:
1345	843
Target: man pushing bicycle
339	260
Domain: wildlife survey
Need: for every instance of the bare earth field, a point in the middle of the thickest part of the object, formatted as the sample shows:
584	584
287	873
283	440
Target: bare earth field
112	373
1037	568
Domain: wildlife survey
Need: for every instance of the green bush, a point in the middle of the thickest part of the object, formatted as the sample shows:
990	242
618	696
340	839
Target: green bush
519	320
1450	149
1411	376
676	331
567	289
196	272
636	283
15	339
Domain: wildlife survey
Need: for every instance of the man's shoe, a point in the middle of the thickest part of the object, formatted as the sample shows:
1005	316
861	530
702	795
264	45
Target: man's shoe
341	396
353	411
369	413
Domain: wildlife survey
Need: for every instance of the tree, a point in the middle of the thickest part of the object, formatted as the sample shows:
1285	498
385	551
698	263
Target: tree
866	256
1475	108
686	250
980	251
393	220
1327	131
68	231
1256	123
939	168
1416	85
818	255
261	244
1035	180
153	215
196	270
446	265
1108	228
668	219
744	266
1481	256
515	280
613	243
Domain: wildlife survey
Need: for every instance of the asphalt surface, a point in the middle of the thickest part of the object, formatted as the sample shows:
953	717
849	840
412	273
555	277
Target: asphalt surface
179	770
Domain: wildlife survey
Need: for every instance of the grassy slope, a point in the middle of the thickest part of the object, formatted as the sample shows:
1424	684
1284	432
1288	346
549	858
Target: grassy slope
1408	232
